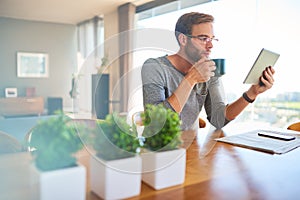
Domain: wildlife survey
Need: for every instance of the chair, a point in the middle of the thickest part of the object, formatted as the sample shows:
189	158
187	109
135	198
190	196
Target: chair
202	123
9	144
295	126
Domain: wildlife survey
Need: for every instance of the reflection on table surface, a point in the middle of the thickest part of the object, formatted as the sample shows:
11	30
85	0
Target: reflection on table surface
214	170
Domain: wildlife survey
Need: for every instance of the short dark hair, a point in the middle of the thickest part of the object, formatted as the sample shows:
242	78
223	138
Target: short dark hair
185	22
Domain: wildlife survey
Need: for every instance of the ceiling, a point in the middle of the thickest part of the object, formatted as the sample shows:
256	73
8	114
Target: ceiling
60	11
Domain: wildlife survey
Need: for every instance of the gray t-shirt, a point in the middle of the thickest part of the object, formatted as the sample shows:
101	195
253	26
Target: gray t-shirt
160	79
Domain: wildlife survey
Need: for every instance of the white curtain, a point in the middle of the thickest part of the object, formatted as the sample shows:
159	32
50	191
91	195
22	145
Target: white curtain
90	39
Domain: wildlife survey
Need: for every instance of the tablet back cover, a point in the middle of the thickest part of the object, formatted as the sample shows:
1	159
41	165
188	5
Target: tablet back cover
265	59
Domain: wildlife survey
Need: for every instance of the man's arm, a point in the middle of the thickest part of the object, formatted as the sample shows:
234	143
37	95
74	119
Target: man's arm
234	109
154	91
180	96
200	72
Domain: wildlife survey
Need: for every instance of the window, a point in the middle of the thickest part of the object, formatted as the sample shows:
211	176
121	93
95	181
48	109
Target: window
244	28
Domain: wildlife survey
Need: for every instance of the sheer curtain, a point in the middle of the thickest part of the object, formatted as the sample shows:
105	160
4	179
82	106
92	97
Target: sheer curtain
90	37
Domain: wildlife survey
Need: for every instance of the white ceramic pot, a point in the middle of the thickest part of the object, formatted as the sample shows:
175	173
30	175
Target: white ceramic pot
164	169
62	184
116	179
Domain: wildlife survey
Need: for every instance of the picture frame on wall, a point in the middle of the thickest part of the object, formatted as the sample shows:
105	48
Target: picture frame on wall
11	92
32	65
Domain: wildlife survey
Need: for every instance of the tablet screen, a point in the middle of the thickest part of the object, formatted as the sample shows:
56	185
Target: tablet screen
265	59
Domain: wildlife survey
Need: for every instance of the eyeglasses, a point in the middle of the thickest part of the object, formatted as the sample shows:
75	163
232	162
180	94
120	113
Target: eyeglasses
203	39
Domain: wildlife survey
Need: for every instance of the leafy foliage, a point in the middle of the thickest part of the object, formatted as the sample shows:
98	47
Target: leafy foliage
114	138
55	141
162	128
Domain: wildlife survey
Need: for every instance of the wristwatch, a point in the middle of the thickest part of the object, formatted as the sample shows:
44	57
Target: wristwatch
245	96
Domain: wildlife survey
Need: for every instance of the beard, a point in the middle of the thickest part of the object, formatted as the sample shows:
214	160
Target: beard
192	52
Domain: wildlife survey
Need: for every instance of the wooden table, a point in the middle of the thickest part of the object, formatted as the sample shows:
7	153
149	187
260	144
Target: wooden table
220	171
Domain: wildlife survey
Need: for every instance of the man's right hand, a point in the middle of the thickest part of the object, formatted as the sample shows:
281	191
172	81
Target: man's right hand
201	71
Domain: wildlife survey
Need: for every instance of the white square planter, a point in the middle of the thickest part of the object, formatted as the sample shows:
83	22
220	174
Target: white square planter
116	179
62	184
164	169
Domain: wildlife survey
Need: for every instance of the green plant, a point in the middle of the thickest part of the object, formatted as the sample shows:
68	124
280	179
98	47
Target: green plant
114	138
104	63
55	141
162	130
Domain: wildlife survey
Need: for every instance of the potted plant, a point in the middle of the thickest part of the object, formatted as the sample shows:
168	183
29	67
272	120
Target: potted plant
116	167
53	143
163	159
104	64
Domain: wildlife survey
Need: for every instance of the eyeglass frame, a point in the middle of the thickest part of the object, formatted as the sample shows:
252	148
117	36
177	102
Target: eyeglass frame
203	38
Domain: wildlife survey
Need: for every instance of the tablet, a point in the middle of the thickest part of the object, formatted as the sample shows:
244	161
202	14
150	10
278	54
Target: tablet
265	59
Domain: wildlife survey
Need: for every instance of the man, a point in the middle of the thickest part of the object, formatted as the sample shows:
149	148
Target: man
185	81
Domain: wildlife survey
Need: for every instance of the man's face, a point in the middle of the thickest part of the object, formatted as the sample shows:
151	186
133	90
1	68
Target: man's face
196	48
